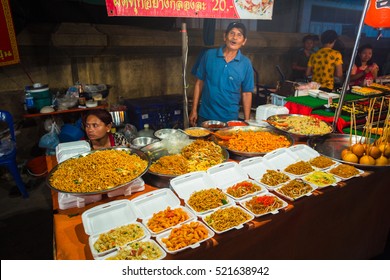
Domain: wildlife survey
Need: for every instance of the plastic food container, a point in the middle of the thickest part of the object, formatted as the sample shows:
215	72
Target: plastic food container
228	174
153	202
281	158
67	150
105	217
185	185
166	234
278	191
274	211
256	167
130	249
238	226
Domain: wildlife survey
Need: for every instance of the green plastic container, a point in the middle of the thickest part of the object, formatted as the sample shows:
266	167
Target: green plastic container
41	95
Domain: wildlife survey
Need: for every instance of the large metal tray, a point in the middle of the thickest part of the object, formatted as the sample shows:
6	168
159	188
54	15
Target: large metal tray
158	150
273	120
231	130
332	145
141	154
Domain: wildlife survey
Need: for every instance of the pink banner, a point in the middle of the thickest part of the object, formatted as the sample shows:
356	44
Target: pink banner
230	9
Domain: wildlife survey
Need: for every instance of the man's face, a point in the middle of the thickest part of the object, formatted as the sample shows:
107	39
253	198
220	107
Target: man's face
234	39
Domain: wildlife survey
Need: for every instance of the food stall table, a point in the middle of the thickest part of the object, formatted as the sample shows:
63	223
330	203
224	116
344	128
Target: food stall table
349	221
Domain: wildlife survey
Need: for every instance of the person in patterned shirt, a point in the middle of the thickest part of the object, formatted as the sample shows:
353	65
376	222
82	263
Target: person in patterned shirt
326	63
97	124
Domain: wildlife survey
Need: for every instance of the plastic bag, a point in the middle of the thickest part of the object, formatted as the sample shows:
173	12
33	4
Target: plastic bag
50	140
6	146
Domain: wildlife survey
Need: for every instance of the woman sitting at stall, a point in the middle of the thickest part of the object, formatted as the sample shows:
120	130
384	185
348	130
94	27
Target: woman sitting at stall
364	71
98	124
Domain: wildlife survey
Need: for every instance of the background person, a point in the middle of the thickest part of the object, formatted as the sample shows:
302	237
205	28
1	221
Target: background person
97	124
222	75
326	63
364	68
301	58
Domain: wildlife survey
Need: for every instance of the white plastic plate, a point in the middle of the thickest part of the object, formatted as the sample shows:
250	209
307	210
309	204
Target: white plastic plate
113	254
269	187
277	190
281	158
275	211
166	234
321	186
304	152
239	226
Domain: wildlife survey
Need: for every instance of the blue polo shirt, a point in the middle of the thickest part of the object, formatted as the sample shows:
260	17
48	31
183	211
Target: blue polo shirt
223	83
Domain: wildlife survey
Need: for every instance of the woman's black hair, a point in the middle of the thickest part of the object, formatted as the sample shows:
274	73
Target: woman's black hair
358	61
101	114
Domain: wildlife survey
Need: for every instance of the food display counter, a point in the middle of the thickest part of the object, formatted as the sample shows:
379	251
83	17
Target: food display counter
347	221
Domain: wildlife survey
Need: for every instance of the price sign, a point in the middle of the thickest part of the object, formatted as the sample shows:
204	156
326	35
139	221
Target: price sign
9	53
231	9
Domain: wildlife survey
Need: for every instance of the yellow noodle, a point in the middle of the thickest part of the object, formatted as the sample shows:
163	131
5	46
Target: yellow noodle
263	204
299	168
204	200
295	188
100	170
227	218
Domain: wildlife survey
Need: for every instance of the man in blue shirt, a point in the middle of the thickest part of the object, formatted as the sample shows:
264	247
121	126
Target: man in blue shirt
223	75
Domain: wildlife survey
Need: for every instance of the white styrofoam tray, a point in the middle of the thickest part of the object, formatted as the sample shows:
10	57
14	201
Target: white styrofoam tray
113	254
67	150
292	175
281	158
256	167
239	226
344	178
166	234
321	186
304	152
228	174
277	190
185	185
155	201
275	211
105	217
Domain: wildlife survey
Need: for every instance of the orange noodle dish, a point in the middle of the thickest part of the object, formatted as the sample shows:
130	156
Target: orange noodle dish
197	156
243	188
263	204
98	171
255	142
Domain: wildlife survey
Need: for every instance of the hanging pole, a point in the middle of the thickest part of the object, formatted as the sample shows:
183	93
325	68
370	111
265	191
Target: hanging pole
184	37
347	78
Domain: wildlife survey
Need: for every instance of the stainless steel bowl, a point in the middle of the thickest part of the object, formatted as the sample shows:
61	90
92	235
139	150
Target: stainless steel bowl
205	132
213	125
236	123
166	132
140	142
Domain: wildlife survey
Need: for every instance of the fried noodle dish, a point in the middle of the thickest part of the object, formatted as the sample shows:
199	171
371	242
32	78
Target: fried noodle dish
100	170
274	178
142	250
197	156
227	218
299	168
204	200
243	188
344	171
263	204
303	125
295	188
321	162
256	142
